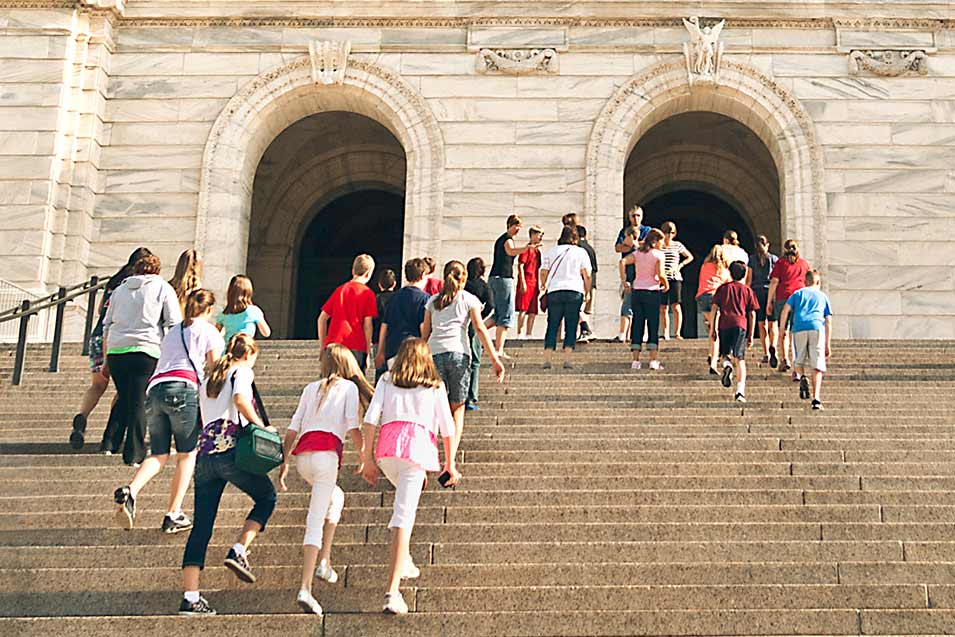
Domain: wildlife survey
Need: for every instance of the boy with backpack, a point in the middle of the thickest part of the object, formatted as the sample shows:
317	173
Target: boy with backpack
811	334
736	304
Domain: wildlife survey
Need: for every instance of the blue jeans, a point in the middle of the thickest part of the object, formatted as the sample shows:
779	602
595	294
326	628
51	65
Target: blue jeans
477	350
646	312
172	412
563	305
213	472
502	292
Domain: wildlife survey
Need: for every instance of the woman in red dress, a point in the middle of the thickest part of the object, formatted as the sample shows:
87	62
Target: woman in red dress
528	289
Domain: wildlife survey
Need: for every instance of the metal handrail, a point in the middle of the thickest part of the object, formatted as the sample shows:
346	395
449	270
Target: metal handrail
57	300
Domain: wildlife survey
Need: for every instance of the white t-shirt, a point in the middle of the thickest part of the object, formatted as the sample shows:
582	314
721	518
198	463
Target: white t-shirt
338	414
735	253
566	276
426	406
200	338
449	327
223	407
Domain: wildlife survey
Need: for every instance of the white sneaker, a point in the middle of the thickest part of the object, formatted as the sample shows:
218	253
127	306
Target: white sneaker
326	573
657	365
636	365
395	604
307	603
503	356
410	571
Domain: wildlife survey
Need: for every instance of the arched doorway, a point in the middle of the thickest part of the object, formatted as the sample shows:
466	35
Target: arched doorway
329	187
744	95
265	107
368	220
707	173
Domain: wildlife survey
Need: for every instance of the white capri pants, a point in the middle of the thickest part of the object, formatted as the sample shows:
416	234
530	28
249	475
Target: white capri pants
320	469
408	478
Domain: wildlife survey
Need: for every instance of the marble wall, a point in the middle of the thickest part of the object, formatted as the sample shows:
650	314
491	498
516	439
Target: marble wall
134	134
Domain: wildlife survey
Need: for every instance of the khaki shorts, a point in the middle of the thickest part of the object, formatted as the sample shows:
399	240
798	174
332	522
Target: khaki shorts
810	349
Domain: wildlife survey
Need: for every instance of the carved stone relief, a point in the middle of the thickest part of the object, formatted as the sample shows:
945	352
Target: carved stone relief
329	61
704	51
888	62
517	61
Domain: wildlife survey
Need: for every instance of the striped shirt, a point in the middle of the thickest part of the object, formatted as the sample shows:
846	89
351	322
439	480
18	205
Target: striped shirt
671	260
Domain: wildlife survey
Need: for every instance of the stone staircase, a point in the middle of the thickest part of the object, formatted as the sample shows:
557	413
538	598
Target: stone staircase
597	501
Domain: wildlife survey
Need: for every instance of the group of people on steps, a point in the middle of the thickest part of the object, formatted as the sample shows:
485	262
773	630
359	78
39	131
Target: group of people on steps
185	372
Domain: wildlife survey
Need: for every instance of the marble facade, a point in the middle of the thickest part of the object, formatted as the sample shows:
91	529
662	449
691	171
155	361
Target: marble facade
144	122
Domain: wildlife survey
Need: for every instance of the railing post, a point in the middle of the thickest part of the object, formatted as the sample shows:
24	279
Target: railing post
21	343
58	331
90	313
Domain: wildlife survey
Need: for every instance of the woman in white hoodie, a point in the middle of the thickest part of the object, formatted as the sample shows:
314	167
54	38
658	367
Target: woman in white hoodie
140	311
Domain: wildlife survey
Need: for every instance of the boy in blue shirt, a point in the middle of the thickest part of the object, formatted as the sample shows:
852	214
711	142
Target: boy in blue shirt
812	334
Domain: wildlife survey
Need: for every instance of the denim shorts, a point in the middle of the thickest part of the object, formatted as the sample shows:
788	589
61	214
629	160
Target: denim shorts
626	308
454	369
704	303
172	412
502	292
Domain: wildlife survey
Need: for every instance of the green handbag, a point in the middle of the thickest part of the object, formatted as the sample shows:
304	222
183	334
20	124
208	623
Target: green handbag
258	450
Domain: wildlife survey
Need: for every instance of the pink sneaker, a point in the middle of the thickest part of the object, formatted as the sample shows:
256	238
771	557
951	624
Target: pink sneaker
636	365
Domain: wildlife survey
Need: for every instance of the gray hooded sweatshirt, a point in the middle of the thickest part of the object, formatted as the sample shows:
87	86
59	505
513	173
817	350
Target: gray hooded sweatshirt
140	311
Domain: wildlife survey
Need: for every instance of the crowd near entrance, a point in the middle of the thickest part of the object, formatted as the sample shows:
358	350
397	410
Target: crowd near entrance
706	173
370	220
330	186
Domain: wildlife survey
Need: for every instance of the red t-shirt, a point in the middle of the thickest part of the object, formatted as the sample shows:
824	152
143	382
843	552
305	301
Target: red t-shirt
792	276
735	300
348	307
433	286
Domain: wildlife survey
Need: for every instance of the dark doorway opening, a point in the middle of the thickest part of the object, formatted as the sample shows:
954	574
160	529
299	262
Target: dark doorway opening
701	219
369	221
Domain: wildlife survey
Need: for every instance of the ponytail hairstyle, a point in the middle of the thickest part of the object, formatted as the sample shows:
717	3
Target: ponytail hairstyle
762	249
652	237
414	366
188	275
716	256
240	346
455	276
197	302
339	364
731	238
239	296
791	250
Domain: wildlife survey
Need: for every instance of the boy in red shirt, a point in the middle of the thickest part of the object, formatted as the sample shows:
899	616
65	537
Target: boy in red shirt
736	304
348	314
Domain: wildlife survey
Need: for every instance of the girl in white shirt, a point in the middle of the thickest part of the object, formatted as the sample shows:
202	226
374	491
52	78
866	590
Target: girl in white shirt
172	410
327	412
411	405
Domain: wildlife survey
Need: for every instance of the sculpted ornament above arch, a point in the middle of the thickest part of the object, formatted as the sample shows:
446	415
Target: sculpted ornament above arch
268	104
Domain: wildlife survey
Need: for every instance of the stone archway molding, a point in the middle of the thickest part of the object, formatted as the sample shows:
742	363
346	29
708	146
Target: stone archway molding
274	100
744	94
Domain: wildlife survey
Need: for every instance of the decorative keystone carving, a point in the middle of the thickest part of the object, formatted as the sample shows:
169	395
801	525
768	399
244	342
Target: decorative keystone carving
704	51
888	62
517	61
117	6
329	60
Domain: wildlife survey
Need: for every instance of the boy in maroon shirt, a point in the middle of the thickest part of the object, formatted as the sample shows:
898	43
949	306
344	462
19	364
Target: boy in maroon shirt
736	304
348	314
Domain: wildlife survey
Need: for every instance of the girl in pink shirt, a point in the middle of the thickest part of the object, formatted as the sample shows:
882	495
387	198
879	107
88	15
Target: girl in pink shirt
327	413
713	274
411	405
650	280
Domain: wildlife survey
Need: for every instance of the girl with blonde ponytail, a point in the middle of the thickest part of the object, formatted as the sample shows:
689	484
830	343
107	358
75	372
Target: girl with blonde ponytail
446	319
227	404
327	412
